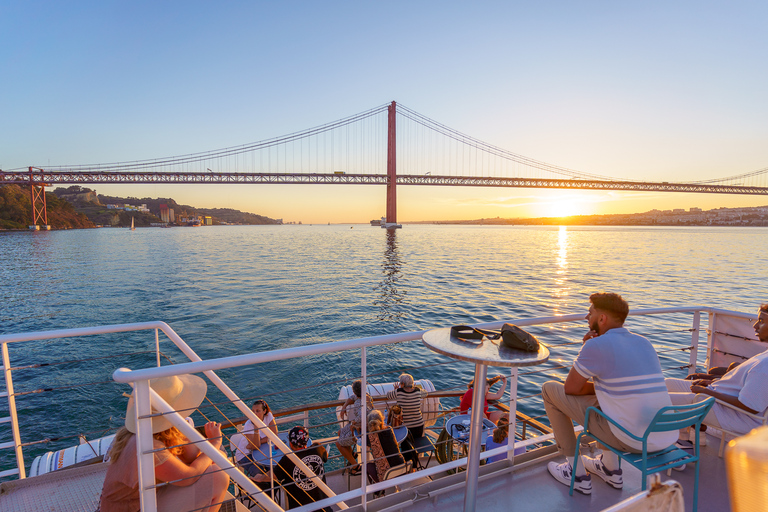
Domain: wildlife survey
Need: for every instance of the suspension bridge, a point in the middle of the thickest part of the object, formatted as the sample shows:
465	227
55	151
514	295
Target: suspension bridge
388	145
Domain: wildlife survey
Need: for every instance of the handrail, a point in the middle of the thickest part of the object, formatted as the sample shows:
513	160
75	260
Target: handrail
358	343
141	377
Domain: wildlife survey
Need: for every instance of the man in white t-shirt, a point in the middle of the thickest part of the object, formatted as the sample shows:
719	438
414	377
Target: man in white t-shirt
745	387
626	384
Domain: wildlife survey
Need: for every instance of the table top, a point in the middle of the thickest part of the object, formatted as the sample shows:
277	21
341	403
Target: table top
488	352
463	420
400	433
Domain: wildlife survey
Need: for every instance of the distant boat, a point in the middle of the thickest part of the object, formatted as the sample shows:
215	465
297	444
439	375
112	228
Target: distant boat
133	228
379	222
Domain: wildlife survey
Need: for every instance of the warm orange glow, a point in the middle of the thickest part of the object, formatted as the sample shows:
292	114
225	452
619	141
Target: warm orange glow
565	205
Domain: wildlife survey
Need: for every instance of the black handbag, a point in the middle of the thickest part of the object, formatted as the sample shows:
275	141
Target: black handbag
511	336
514	337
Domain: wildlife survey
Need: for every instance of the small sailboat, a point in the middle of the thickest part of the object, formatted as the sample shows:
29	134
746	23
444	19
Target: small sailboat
133	228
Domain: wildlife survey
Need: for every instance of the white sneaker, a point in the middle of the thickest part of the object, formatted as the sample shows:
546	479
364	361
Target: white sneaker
562	473
596	467
680	468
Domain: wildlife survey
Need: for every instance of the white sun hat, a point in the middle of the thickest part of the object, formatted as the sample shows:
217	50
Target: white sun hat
184	393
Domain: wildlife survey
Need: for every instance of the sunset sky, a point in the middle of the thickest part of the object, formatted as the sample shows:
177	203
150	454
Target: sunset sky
661	91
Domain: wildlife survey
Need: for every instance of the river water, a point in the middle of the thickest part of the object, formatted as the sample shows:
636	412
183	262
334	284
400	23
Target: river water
230	290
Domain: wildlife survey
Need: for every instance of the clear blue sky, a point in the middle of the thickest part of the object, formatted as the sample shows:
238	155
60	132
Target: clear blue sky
659	90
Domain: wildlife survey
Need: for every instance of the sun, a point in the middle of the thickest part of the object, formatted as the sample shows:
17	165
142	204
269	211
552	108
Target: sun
565	206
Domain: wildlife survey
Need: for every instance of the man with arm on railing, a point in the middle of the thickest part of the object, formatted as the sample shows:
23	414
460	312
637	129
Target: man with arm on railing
627	384
744	387
299	489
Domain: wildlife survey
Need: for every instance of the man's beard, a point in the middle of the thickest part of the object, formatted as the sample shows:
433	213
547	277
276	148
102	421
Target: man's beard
594	326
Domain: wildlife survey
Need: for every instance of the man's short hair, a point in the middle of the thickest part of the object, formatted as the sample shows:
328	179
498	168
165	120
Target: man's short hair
611	303
357	388
764	307
406	380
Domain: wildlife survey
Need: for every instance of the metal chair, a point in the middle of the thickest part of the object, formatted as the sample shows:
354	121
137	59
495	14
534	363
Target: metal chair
423	445
674	417
762	418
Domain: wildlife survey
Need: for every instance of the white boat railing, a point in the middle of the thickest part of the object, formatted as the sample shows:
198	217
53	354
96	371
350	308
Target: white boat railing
140	380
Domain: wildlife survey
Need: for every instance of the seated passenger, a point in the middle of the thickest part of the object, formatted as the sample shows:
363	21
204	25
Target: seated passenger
500	437
743	386
466	399
253	438
409	398
384	447
627	384
347	437
300	489
200	485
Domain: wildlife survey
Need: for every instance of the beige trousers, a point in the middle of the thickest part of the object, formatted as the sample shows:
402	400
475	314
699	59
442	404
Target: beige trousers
680	394
563	410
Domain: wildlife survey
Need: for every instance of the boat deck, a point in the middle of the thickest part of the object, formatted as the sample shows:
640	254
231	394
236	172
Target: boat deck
501	487
528	486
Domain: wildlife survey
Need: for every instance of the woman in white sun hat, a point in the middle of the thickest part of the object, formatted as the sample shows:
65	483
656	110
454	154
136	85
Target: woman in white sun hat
196	481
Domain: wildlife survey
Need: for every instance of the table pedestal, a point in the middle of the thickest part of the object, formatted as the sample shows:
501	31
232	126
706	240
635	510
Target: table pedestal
475	440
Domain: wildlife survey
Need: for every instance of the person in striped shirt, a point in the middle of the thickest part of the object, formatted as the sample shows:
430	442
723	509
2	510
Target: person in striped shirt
626	383
409	398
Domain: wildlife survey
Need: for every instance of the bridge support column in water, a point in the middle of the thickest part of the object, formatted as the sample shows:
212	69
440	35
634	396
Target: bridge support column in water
391	165
37	196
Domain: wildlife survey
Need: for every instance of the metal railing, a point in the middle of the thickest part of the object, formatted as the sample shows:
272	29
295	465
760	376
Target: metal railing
139	379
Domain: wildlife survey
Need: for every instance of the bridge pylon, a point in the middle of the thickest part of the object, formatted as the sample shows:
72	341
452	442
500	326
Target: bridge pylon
39	207
392	164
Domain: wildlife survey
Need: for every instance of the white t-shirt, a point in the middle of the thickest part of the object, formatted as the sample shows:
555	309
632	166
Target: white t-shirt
628	384
749	383
249	428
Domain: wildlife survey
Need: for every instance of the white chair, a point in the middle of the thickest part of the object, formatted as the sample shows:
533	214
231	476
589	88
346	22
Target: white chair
762	418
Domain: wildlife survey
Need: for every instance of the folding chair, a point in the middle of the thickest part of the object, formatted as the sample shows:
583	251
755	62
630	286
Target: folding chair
674	417
423	445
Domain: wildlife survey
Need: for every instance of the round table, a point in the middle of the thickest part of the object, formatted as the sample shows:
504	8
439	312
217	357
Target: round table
460	425
483	353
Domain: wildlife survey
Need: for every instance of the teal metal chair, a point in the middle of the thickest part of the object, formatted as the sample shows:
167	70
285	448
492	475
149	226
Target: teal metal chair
674	417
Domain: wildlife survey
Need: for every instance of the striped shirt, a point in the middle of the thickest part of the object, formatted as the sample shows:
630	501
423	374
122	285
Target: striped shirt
628	384
410	402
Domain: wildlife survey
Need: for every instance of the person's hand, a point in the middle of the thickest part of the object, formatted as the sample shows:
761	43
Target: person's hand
213	433
698	389
701	382
396	385
343	413
591	334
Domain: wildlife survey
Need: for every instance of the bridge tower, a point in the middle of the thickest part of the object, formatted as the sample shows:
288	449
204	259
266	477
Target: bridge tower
37	196
391	165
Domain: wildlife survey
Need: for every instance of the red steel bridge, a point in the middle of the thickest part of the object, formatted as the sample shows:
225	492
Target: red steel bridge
365	149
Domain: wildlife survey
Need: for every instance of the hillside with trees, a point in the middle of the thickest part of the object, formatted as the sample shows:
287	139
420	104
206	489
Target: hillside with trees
81	207
16	210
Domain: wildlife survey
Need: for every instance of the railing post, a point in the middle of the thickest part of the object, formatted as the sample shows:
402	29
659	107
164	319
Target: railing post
512	414
364	430
12	410
157	346
145	446
694	342
710	339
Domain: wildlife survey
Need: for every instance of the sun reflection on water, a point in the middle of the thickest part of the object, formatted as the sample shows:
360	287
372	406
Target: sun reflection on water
561	286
